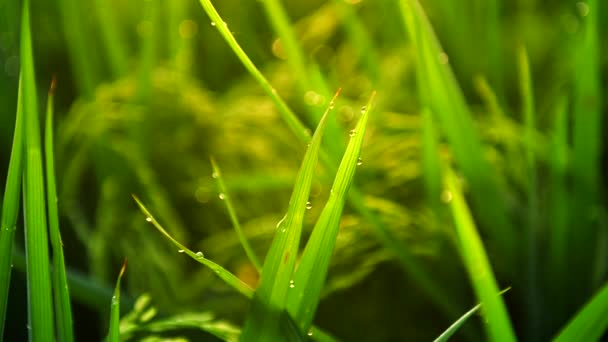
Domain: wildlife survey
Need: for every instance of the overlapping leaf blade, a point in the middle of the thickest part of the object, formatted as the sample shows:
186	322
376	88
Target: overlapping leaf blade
263	322
63	310
305	288
36	236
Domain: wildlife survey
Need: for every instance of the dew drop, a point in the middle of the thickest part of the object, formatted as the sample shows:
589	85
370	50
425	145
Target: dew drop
352	133
148	219
363	109
583	8
331	105
180	251
291	284
308	205
213	23
359	162
309	333
446	196
199	254
214	175
222	196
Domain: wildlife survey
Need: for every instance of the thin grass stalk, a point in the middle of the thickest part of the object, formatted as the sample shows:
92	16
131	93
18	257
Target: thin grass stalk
40	306
527	96
10	210
286	113
63	310
225	196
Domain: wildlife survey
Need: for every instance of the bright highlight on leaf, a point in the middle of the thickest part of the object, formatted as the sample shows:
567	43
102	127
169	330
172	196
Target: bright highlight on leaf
114	332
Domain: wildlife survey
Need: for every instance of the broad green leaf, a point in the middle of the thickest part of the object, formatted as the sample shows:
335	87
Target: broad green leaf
476	261
63	310
114	331
10	211
305	287
225	196
269	302
590	323
36	237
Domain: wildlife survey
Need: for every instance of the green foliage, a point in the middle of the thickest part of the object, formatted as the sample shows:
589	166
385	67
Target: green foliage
506	94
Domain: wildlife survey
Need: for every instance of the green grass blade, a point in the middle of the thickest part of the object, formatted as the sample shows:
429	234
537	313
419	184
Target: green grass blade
587	136
149	53
36	237
114	330
439	91
559	203
80	53
498	325
305	288
221	272
590	323
10	210
63	310
111	38
452	329
269	303
527	97
286	113
308	77
225	196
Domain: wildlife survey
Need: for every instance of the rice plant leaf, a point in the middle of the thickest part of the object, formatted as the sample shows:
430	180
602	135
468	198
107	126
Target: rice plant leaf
263	321
286	113
114	331
409	263
452	329
10	210
587	141
112	40
63	310
225	196
439	91
527	98
498	327
221	272
36	236
590	323
305	288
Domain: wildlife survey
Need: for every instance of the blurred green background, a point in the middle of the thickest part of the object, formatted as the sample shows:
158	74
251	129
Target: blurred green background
147	91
